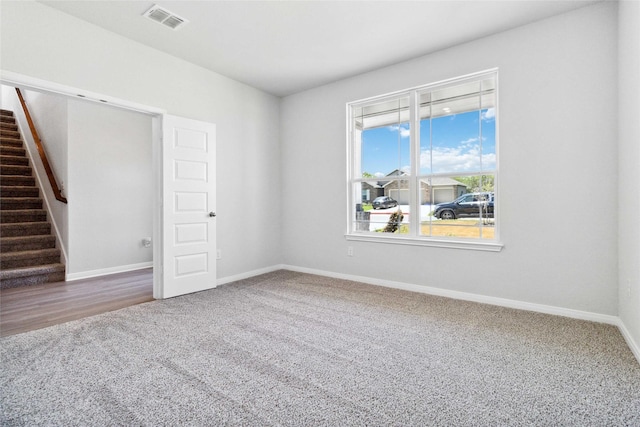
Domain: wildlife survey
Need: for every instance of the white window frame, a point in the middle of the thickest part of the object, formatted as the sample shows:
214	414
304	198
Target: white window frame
414	238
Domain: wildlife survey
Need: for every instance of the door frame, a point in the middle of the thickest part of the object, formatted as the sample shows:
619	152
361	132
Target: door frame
26	82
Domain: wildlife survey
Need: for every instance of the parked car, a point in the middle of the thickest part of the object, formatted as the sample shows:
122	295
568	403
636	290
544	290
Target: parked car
384	202
467	205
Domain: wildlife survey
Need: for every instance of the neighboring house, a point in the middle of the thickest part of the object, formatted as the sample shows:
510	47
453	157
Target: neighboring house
433	191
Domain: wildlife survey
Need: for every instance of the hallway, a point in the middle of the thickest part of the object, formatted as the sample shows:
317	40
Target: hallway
33	307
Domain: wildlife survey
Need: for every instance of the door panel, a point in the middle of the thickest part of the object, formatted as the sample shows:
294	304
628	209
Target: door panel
188	194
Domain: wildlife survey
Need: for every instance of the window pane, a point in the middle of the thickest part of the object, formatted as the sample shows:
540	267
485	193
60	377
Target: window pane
363	195
383	113
456	99
488	125
385	208
384	148
457	128
477	183
456	143
467	229
469	215
425	146
426	204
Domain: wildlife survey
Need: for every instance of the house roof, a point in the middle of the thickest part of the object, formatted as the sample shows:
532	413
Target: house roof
441	181
436	181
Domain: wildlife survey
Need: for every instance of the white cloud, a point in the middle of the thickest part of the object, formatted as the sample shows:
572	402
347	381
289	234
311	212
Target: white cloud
490	114
457	159
468	142
404	131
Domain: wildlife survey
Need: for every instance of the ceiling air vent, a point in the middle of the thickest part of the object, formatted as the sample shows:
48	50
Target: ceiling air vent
164	17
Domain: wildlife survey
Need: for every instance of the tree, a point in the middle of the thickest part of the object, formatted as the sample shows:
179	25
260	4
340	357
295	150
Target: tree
394	222
477	184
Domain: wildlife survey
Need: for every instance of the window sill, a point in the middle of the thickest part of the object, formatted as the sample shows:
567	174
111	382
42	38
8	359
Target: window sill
489	246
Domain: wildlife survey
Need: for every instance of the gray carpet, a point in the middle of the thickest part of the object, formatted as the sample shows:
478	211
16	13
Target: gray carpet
294	349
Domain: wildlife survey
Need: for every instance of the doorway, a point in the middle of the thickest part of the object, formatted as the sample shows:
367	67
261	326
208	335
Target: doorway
164	225
102	155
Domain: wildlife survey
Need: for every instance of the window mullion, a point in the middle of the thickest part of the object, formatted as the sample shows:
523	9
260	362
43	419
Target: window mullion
414	185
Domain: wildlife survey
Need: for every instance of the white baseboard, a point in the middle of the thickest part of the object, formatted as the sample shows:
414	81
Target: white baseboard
104	271
242	276
635	348
502	302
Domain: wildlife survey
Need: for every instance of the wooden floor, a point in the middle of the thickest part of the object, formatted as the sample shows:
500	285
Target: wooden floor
34	307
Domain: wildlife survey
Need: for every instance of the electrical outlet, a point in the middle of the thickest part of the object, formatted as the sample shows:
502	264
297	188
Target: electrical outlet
219	254
349	250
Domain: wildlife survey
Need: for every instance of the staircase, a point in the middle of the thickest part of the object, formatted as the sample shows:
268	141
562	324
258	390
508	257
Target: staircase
28	253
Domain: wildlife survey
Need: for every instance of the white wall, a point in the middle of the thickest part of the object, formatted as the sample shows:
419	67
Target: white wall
629	167
110	188
558	169
65	50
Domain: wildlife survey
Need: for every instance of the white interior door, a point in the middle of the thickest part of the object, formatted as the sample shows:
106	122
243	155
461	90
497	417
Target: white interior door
188	194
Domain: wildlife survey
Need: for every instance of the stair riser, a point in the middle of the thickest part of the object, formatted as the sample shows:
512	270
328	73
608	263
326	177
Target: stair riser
14	161
28	261
34	280
29	244
20	181
8	127
10	142
18	191
25	229
19	204
15	170
9	133
9	217
12	151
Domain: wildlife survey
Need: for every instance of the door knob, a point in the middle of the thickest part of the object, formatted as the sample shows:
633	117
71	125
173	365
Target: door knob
212	214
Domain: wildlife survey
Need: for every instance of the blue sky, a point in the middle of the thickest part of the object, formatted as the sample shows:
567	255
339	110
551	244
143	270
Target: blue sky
456	145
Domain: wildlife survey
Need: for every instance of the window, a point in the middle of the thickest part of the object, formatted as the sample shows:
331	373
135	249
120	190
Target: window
423	165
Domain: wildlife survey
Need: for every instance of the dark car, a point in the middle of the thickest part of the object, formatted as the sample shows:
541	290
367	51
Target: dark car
467	205
384	202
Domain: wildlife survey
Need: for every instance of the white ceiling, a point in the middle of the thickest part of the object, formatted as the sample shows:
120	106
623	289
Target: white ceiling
284	47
